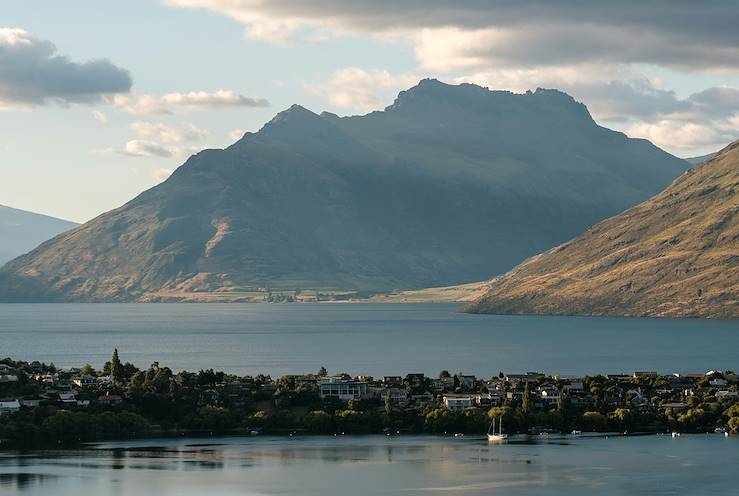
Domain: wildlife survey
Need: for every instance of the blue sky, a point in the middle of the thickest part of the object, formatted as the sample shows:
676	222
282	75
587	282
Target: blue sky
185	74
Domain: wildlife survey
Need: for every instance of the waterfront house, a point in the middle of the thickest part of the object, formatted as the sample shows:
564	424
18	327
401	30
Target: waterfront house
341	388
9	406
458	402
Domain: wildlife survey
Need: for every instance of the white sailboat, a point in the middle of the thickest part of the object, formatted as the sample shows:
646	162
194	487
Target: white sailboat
492	436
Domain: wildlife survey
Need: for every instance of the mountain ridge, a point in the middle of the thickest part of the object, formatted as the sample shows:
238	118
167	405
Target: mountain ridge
21	231
408	197
675	255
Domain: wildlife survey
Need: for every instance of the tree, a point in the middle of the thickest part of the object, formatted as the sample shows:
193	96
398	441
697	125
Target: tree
444	374
388	404
594	421
116	368
322	372
526	405
87	369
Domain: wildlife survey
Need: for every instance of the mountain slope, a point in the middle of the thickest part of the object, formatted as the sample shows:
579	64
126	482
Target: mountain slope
414	196
22	231
675	255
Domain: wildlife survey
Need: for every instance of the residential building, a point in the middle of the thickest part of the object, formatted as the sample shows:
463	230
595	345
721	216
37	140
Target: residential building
343	389
458	401
9	406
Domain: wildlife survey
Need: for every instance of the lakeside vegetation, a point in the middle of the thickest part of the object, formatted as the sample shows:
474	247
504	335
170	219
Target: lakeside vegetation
41	405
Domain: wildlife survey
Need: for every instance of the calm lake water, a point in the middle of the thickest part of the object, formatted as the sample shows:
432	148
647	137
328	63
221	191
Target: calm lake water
376	465
376	339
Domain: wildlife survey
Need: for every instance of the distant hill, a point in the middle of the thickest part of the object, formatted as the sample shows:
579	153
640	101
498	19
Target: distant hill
22	231
447	185
675	255
701	159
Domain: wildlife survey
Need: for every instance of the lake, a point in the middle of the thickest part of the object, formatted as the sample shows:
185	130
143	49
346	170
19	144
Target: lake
375	339
377	465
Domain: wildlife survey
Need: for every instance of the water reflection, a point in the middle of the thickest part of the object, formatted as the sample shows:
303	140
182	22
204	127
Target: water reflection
380	465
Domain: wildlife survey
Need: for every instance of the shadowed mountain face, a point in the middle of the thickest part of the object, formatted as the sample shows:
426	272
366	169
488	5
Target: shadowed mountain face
447	185
21	231
676	255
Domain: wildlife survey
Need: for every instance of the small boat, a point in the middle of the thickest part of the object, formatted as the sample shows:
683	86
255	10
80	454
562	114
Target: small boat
492	436
459	434
576	432
675	434
720	430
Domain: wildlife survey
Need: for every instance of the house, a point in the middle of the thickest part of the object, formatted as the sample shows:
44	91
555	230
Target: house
674	407
341	388
85	380
110	399
727	394
573	386
8	378
422	398
443	384
9	406
618	377
641	374
398	396
718	382
392	380
483	399
466	381
458	401
548	394
415	378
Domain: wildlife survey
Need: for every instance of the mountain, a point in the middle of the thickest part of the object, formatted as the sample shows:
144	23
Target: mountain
701	159
22	231
417	195
675	255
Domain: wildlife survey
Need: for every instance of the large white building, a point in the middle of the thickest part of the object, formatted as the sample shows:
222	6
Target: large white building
341	388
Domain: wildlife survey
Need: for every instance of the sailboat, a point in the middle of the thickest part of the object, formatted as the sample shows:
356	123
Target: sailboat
492	436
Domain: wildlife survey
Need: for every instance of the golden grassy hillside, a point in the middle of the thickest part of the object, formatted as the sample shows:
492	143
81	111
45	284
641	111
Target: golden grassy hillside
675	255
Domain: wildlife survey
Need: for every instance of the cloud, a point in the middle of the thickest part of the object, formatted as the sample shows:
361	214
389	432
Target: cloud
144	148
360	89
236	134
100	116
449	33
161	174
32	73
168	134
185	102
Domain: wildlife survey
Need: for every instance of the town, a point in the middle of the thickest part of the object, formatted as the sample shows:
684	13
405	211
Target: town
42	405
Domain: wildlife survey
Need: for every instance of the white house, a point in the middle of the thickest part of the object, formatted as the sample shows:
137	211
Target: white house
10	406
458	401
343	389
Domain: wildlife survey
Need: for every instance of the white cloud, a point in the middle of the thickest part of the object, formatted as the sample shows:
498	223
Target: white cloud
236	134
687	138
161	174
521	33
184	102
144	148
32	73
168	134
100	116
361	89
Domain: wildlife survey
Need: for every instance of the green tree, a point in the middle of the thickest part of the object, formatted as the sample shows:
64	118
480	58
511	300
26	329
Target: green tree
87	369
526	404
594	421
388	404
116	368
